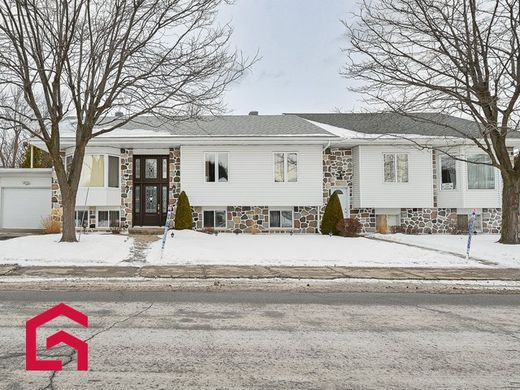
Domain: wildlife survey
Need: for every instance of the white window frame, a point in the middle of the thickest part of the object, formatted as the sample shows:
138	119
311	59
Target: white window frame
395	154
108	210
217	181
214	210
285	164
439	173
280	209
87	220
468	163
106	162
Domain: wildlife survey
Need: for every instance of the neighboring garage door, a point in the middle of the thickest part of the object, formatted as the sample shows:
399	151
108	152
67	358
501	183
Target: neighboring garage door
24	208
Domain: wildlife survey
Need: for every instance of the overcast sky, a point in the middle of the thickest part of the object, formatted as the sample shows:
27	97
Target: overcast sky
300	44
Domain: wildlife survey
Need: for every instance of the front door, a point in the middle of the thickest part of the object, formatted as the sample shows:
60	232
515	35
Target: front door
150	198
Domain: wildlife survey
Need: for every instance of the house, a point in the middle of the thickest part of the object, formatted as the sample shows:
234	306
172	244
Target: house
275	173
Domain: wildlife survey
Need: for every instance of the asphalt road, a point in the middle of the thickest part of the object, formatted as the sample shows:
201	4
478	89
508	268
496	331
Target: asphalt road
271	341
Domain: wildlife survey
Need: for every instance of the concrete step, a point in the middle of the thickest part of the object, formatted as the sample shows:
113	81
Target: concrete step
147	230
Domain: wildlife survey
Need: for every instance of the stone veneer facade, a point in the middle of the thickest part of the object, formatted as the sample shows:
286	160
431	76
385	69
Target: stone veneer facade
127	175
255	219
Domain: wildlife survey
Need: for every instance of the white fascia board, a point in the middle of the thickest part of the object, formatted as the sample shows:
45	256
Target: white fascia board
161	142
25	171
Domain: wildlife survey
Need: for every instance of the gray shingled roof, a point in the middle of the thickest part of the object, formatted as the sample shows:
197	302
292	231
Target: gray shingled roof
227	125
392	123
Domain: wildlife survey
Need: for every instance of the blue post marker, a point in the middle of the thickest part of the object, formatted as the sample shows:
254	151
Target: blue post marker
471	229
167	226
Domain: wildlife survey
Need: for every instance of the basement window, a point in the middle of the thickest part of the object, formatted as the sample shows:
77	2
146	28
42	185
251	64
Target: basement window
108	218
214	218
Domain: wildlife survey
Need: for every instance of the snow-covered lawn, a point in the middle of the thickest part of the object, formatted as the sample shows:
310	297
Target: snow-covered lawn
93	249
483	246
189	247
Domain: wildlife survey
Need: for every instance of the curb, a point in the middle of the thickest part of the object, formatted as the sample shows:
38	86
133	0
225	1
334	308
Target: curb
345	285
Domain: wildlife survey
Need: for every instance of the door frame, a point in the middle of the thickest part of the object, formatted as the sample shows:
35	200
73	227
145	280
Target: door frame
161	181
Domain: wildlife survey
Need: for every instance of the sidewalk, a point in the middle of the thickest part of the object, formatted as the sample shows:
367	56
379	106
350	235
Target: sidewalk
262	272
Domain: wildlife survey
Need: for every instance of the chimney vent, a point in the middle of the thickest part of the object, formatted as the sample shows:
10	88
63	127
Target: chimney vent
255	113
119	114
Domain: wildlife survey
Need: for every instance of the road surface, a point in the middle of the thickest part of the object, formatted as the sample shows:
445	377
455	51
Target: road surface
271	340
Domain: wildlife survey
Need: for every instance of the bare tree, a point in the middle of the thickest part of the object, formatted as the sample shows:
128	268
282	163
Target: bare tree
459	57
12	134
89	58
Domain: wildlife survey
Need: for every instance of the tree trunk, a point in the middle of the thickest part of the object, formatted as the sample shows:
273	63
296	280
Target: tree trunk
69	219
510	205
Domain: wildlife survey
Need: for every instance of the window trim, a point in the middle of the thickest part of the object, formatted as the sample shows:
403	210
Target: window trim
216	152
439	173
214	210
83	210
280	209
468	163
395	154
106	162
285	165
108	210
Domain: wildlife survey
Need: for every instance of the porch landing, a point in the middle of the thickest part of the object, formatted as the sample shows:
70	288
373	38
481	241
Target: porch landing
149	230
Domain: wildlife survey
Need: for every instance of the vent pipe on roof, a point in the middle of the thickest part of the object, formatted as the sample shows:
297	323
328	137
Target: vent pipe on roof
253	113
119	114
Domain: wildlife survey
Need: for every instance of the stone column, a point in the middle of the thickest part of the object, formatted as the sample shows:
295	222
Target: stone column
127	172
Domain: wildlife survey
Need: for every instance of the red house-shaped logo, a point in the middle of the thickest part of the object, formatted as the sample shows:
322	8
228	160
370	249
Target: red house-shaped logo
32	362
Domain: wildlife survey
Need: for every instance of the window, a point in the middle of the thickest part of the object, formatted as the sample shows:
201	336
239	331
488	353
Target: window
214	218
216	164
385	222
108	218
68	163
463	223
93	171
480	176
113	171
280	218
137	168
150	168
285	167
82	218
396	168
448	173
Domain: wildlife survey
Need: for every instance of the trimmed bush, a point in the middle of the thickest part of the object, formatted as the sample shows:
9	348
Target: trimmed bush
349	227
332	215
183	215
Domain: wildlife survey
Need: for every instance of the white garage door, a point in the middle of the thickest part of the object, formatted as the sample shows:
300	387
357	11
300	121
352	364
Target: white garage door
24	208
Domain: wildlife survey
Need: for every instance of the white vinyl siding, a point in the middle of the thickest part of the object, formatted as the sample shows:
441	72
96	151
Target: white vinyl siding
252	176
415	189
